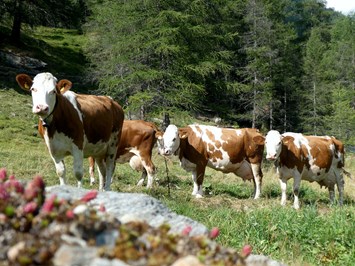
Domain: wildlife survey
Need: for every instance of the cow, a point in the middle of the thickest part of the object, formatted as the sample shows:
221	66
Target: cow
238	151
311	158
135	146
75	124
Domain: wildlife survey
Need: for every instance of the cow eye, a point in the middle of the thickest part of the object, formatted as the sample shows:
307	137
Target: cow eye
33	90
174	139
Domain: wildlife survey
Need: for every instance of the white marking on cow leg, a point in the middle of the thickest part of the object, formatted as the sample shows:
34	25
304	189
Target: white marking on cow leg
101	168
296	189
283	185
92	174
150	171
195	189
111	160
60	170
143	176
257	180
78	165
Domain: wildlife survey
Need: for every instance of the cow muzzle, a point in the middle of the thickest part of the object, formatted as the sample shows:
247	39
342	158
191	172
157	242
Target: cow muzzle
40	109
168	152
271	157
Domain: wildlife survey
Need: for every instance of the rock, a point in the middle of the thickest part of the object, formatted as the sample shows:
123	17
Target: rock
261	260
188	261
133	206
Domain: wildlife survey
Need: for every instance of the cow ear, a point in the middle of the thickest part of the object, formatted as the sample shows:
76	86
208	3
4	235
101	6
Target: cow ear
260	140
159	135
183	133
287	139
24	81
64	85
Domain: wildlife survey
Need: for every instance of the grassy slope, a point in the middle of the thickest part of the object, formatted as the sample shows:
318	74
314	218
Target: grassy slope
318	234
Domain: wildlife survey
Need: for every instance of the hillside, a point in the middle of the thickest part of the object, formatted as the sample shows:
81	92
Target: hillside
58	51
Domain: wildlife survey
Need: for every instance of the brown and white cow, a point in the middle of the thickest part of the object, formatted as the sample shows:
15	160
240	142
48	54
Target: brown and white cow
136	145
238	151
75	124
310	158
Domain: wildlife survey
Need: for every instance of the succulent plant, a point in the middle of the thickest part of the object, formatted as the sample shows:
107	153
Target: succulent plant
34	227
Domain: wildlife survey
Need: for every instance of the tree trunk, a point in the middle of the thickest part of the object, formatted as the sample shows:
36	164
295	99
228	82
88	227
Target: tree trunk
16	26
314	109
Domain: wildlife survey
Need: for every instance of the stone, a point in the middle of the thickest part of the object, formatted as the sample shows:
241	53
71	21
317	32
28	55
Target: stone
133	206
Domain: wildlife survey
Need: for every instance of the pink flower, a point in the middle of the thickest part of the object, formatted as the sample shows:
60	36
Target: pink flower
214	232
30	207
102	208
34	188
70	214
3	175
246	251
3	193
14	185
186	231
48	205
92	194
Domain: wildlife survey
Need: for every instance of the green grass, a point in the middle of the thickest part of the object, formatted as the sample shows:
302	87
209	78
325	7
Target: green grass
317	234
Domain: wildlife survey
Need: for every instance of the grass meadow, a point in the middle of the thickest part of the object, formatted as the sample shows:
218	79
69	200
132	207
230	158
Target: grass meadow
317	234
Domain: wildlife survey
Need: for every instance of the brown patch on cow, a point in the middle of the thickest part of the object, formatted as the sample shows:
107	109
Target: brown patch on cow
211	147
140	135
320	150
101	116
218	144
210	136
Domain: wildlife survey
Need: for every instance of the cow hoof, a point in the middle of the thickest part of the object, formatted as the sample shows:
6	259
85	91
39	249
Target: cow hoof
140	182
198	196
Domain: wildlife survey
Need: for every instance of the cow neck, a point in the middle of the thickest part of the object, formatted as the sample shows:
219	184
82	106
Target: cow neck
46	121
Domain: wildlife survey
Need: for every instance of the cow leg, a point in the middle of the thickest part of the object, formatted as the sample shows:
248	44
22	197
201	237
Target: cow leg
296	189
150	169
78	166
111	160
283	185
143	176
101	167
340	185
331	193
92	170
257	179
197	177
60	170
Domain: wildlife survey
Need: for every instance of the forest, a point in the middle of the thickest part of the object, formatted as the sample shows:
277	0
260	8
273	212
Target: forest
270	64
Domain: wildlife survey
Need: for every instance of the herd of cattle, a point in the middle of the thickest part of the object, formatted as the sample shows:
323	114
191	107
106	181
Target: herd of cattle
88	126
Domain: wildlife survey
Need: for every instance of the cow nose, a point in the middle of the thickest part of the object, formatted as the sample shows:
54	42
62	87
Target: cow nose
167	152
271	157
41	109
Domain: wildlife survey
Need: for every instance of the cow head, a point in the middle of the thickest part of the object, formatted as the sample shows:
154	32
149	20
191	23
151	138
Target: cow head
273	145
44	90
169	142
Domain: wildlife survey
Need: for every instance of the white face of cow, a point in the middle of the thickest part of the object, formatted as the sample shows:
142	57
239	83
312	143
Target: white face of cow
169	142
43	92
273	145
